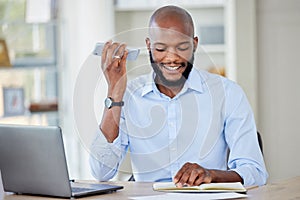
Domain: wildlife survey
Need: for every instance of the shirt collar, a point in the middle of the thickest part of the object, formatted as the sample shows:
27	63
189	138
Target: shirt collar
194	82
149	83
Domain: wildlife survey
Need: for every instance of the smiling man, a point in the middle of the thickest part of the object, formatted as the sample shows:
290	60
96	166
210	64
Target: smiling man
178	122
171	46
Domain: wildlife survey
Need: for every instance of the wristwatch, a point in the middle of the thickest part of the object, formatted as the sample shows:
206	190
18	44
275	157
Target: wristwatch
109	102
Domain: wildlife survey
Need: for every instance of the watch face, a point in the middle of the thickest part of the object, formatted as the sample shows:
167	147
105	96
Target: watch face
108	102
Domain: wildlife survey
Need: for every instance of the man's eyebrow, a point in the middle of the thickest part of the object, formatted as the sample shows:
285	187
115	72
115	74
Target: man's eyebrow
186	42
161	43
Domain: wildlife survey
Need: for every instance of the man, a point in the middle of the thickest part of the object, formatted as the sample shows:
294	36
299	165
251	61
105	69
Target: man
178	122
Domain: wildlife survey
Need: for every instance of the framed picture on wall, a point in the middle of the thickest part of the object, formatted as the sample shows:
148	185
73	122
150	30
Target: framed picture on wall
13	99
4	57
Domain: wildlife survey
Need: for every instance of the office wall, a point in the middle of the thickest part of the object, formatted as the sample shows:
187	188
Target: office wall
245	32
82	24
278	44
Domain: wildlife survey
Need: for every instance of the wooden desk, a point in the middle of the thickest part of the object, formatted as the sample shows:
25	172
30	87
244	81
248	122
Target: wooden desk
286	189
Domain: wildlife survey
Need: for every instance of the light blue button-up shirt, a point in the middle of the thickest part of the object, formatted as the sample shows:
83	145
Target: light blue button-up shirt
208	118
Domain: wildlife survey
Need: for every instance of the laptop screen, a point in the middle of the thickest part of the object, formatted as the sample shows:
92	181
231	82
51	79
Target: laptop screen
32	161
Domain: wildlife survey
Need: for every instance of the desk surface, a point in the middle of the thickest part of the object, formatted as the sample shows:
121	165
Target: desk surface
286	189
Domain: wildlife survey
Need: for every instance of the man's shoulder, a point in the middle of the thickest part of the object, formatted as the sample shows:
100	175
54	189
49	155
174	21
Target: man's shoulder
210	78
206	76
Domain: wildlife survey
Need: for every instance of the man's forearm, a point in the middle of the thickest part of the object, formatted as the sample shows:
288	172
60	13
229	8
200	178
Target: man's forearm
104	158
225	176
110	123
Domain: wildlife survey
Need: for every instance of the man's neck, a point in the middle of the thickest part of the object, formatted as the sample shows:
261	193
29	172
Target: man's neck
169	91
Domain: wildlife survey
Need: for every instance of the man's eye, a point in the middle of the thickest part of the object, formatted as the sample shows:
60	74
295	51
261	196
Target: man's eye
160	49
183	47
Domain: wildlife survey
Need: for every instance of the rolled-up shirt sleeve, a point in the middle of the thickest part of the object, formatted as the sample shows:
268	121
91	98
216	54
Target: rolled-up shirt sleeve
105	157
245	156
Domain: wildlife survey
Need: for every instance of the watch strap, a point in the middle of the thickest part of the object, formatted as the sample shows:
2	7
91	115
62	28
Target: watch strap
109	103
121	103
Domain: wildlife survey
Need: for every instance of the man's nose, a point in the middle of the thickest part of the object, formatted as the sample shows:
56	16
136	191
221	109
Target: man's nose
172	55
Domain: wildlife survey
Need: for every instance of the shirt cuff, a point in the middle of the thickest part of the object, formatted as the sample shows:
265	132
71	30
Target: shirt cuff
250	176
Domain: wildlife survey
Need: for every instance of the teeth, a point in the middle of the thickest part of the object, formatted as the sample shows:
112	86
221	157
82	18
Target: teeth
171	68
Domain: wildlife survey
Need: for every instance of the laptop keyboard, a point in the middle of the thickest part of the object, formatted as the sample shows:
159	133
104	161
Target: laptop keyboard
80	189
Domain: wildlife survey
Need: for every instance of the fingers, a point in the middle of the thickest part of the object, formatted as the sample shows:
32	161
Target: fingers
112	54
104	52
118	53
191	174
123	59
181	177
113	64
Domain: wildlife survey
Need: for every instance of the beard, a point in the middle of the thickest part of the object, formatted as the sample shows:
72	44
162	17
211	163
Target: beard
166	82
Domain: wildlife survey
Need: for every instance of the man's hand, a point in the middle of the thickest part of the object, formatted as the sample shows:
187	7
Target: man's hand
113	64
192	174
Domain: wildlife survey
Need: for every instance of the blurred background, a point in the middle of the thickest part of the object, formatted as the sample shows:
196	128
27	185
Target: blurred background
46	44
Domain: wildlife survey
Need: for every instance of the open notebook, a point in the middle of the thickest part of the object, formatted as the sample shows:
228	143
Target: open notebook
207	187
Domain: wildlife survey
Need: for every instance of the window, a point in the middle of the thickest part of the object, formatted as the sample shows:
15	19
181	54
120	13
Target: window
29	44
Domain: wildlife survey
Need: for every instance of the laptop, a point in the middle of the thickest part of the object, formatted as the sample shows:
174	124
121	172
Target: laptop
32	161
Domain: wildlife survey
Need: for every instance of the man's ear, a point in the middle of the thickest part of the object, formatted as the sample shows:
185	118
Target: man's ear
148	43
195	41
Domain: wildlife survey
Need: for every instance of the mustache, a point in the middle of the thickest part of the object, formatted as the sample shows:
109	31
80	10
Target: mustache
185	74
190	62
